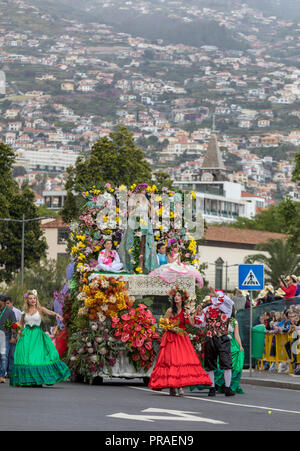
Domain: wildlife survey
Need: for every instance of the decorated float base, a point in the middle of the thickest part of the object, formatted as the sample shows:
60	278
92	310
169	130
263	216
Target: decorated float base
122	369
134	285
145	285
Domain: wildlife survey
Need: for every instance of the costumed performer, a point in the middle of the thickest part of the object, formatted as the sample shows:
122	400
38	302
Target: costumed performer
176	267
238	356
139	224
217	348
36	360
177	363
109	260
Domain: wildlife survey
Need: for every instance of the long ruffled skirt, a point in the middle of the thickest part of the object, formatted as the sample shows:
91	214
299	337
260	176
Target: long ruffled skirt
36	360
177	364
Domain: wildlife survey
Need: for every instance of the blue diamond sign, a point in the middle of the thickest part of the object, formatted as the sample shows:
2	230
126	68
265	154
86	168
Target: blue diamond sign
251	277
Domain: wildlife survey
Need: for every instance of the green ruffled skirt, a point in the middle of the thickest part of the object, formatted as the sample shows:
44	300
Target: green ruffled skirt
237	368
36	360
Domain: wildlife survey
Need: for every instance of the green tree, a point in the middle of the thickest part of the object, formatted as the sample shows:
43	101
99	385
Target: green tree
279	258
296	172
13	204
163	179
115	160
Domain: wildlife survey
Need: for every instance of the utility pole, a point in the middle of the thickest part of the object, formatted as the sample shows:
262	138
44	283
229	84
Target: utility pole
23	221
23	250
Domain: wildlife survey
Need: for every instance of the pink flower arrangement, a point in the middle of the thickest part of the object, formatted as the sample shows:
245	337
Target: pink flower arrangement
136	327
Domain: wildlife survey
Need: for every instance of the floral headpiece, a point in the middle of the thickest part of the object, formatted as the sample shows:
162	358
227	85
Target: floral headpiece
171	242
34	292
140	187
184	294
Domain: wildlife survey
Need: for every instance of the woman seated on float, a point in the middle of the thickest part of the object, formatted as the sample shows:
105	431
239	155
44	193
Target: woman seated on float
175	267
109	260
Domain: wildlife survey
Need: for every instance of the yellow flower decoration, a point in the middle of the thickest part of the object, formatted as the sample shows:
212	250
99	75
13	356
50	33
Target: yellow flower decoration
81	256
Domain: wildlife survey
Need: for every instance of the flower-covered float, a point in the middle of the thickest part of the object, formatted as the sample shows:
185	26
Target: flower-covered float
106	331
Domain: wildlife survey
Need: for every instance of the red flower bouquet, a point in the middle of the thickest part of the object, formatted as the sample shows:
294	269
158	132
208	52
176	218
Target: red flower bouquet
136	328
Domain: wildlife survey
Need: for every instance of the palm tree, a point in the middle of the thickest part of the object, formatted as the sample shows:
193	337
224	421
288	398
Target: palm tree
279	258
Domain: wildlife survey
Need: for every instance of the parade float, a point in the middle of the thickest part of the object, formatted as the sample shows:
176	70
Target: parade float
108	330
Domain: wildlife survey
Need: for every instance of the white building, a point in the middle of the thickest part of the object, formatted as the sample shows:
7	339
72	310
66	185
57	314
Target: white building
49	160
218	199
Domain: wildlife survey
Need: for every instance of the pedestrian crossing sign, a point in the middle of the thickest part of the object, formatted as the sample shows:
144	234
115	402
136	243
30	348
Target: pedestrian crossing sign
251	277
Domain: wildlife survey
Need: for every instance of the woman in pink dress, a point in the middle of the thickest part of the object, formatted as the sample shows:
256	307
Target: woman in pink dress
176	267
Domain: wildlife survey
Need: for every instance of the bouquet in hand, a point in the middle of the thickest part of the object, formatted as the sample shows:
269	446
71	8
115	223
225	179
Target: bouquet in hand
10	326
171	326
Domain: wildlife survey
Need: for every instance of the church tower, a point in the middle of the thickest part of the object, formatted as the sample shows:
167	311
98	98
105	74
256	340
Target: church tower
213	168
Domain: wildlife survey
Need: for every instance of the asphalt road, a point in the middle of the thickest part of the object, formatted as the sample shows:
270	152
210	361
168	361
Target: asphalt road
130	406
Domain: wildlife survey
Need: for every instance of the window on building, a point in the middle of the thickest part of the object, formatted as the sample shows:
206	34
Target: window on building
219	274
62	235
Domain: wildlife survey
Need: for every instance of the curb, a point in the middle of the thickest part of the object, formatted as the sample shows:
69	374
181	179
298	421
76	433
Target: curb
272	384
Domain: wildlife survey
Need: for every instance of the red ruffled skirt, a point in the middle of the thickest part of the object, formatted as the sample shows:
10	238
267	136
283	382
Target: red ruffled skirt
177	364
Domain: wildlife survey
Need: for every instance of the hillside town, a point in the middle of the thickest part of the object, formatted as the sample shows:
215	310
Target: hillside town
149	218
66	84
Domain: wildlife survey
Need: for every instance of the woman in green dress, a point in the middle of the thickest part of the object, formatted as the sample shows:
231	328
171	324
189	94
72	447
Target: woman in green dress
237	353
36	360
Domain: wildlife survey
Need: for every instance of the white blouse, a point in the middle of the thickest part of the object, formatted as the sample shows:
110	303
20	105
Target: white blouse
33	320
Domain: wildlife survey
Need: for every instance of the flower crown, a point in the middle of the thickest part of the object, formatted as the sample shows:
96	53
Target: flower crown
34	292
183	293
171	242
141	187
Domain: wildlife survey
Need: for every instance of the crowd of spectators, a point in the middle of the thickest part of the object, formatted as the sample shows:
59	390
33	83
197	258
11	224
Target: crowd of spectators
285	323
289	288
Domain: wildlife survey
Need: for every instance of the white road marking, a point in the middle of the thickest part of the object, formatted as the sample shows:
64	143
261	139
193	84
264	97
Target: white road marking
174	415
273	409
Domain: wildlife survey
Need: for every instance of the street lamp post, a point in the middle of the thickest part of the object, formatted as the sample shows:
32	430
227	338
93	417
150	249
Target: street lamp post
23	250
23	221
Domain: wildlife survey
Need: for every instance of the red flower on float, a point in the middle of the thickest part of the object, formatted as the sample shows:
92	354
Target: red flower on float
136	329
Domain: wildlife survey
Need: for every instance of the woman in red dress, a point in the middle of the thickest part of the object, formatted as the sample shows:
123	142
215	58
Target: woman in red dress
177	363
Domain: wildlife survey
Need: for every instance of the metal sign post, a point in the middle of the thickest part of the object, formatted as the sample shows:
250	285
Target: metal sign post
250	338
251	278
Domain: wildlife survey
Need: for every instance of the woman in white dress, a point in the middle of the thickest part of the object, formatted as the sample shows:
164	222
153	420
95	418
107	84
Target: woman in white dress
176	267
109	260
